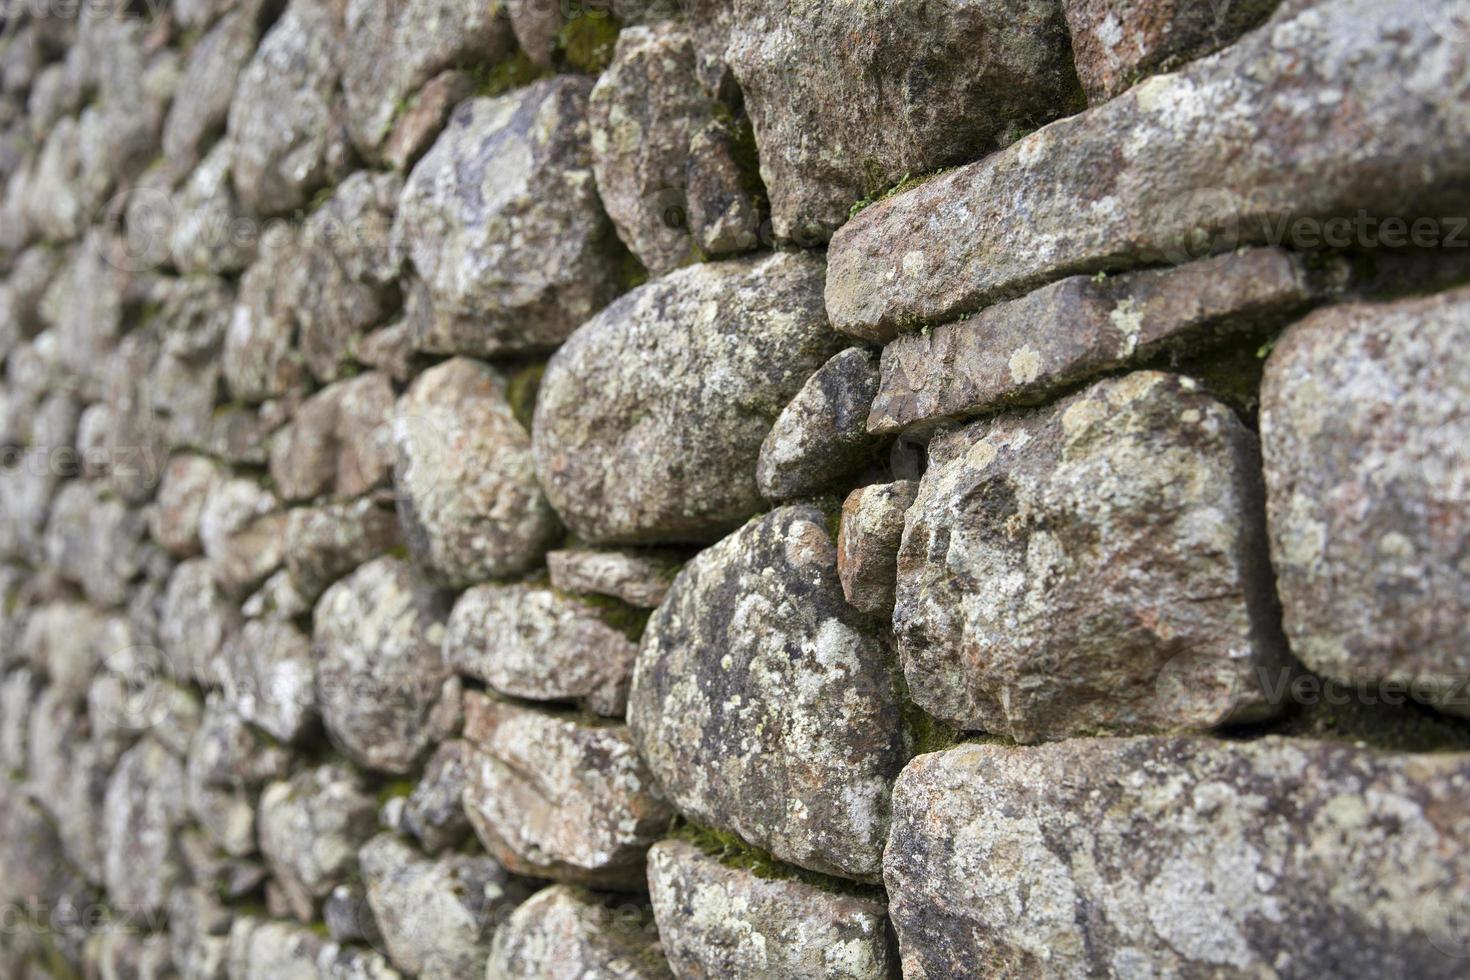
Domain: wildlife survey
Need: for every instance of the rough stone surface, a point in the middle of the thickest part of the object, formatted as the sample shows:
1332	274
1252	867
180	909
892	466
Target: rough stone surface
197	621
848	100
1185	165
141	814
1178	856
1030	348
640	579
754	678
1118	42
434	811
437	915
650	419
723	199
325	543
269	677
537	644
310	829
1365	435
385	694
395	48
868	542
422	120
643	114
821	436
718	921
467	495
188	482
287	118
339	442
242	528
1095	566
502	223
552	797
564	932
208	82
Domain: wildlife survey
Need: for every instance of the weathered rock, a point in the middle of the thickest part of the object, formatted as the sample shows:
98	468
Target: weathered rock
208	234
502	222
723	199
536	24
424	117
437	916
831	126
286	119
1178	856
310	830
1365	438
337	962
278	598
1118	42
434	811
96	541
226	753
211	69
534	643
348	916
196	622
643	114
119	952
1185	165
718	921
19	689
243	530
67	776
386	696
339	441
21	294
259	359
262	950
188	482
66	642
198	928
84	307
34	866
755	676
564	932
552	797
395	48
821	436
640	579
1095	566
143	812
868	543
650	419
325	543
1026	349
467	497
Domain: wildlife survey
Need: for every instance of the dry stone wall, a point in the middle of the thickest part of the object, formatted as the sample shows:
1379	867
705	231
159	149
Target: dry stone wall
734	488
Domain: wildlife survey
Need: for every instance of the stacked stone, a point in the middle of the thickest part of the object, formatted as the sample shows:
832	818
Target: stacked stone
733	489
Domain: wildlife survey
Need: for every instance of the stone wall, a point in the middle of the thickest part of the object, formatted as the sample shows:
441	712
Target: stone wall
734	488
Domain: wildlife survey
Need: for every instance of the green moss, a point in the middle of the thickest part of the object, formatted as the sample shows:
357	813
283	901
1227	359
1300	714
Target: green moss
395	789
586	42
905	183
631	272
628	620
733	852
521	392
513	73
922	731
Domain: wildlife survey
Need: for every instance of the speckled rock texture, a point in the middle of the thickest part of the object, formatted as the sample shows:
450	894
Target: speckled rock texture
539	645
755	678
1025	350
1095	566
501	222
1178	856
503	488
651	417
719	921
1173	169
846	100
467	494
565	932
554	797
1367	505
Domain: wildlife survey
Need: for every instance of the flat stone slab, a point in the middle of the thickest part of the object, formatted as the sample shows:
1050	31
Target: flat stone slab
1179	856
638	578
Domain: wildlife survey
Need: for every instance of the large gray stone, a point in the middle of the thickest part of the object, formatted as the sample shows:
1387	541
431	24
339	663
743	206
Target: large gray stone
1095	566
211	69
639	578
1116	43
339	441
197	620
650	419
386	695
554	797
867	544
311	827
1366	442
564	933
765	705
325	543
1185	165
437	915
1027	349
287	118
96	541
142	814
719	921
434	811
535	643
846	100
502	223
227	760
394	49
1179	857
188	482
207	232
243	530
822	435
467	496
